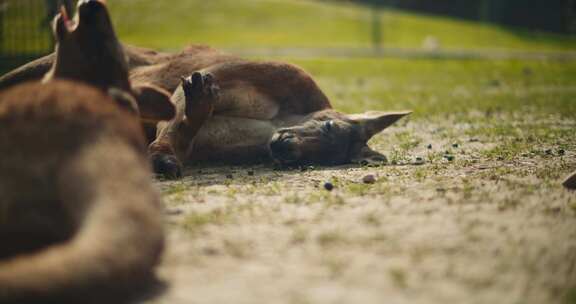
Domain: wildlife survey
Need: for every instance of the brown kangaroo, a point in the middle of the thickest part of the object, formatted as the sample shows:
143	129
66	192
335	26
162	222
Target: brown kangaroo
235	110
79	216
244	111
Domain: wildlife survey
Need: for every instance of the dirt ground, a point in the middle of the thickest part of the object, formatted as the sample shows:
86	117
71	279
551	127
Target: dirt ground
469	209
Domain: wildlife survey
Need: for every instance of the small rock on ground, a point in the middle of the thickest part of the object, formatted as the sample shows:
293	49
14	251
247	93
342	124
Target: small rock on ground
369	179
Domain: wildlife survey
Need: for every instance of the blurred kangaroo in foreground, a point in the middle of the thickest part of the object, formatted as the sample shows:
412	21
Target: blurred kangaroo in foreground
236	110
80	220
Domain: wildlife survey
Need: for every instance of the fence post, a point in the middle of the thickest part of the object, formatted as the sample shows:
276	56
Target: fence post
24	32
376	25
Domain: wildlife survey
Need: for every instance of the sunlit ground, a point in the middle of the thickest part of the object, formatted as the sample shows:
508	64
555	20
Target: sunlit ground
483	220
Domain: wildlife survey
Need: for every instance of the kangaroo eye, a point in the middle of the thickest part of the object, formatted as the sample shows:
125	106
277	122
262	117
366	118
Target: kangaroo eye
328	125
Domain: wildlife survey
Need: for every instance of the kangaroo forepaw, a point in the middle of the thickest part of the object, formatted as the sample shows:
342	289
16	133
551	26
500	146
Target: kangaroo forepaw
200	92
166	165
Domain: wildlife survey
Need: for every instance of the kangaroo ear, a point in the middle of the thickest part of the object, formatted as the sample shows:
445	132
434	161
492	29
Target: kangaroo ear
154	103
373	122
124	100
58	27
363	155
60	23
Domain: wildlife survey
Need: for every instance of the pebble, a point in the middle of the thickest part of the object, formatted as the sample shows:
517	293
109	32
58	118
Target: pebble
173	211
369	179
328	186
419	160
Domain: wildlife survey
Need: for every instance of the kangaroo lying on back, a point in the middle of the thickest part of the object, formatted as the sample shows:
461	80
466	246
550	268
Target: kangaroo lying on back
79	217
236	110
247	111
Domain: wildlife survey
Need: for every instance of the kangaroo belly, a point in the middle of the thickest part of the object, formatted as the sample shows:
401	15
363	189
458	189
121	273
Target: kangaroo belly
232	139
241	99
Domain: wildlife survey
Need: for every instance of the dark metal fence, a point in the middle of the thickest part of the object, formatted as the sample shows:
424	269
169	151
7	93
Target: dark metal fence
542	15
25	29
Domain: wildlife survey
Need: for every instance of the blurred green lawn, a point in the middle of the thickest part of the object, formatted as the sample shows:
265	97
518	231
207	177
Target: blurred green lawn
427	86
431	87
294	23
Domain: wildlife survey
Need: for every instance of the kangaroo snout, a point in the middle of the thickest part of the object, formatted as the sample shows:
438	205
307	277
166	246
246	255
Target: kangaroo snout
284	147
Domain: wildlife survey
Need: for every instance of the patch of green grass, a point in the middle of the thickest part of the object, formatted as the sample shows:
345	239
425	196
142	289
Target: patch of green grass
357	189
570	296
428	86
330	238
325	197
196	221
516	139
336	266
287	23
421	173
553	172
504	151
175	188
407	140
372	219
399	277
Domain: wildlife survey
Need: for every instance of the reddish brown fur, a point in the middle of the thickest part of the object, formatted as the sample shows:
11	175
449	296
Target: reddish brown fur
85	161
164	70
48	102
257	98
